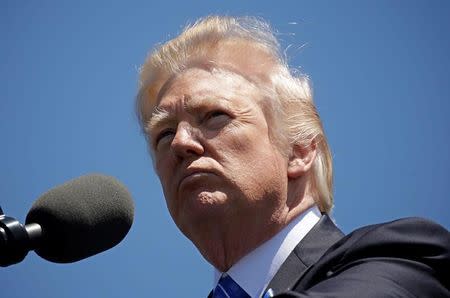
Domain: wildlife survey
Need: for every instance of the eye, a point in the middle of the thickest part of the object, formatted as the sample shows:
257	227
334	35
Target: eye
164	135
216	116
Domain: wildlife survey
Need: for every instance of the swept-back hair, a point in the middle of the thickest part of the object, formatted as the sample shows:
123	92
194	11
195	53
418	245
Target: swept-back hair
288	99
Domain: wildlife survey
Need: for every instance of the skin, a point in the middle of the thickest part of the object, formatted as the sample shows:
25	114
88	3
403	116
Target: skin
227	187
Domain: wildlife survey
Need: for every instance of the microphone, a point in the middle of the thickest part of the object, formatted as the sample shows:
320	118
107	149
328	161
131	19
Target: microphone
73	221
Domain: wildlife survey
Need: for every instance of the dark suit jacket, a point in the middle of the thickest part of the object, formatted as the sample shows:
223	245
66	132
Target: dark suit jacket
404	258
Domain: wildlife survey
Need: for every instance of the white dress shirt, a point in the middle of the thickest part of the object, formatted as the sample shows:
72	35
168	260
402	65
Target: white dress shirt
255	270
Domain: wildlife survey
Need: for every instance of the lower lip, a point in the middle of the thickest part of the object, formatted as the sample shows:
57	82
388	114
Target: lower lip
194	177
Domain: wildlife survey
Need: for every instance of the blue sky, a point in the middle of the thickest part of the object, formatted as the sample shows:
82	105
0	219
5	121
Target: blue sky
68	77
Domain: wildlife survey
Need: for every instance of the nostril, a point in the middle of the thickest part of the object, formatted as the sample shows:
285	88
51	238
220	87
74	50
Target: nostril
192	152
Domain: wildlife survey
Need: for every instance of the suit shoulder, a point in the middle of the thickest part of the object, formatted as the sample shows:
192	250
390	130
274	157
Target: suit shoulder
415	239
399	237
410	255
408	230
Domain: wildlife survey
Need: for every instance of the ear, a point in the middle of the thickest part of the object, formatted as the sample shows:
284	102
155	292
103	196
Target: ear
301	160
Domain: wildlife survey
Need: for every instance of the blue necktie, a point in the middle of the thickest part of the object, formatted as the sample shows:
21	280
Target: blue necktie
228	288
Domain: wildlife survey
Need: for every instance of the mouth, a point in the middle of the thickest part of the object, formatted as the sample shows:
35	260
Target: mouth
192	174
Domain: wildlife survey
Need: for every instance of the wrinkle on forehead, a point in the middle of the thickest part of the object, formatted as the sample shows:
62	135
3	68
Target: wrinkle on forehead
195	89
212	68
197	86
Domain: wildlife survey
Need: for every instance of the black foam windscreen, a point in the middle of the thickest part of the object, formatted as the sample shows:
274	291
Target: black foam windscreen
82	217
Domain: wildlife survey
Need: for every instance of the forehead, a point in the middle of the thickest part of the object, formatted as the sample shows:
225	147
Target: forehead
240	56
198	90
200	84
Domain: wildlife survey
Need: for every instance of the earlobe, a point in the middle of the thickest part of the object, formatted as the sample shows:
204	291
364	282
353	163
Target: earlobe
301	160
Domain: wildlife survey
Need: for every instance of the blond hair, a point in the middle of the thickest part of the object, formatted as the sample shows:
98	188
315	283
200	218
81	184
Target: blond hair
289	100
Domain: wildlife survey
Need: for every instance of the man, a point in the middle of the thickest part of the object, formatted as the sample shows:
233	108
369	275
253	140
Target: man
246	172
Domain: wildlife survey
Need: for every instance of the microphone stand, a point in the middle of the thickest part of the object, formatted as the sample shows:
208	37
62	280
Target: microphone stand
16	239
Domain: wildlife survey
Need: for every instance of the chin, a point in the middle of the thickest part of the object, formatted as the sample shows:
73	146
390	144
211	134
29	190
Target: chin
204	203
201	207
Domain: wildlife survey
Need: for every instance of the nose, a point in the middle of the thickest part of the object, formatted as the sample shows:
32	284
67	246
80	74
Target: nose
186	141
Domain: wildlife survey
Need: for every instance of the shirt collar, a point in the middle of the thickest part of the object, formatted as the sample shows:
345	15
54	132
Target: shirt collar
255	270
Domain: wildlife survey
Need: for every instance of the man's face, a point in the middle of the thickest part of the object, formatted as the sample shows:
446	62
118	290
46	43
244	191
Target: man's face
212	152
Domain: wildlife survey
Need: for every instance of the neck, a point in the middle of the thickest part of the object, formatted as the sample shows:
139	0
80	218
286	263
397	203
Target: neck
224	249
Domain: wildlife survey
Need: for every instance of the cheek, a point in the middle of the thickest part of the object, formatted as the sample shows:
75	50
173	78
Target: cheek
258	151
166	178
164	170
250	146
237	139
250	157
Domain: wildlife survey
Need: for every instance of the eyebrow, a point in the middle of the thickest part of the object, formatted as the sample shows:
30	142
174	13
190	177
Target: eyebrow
158	118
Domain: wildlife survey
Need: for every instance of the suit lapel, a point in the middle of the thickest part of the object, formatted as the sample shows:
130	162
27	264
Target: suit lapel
323	235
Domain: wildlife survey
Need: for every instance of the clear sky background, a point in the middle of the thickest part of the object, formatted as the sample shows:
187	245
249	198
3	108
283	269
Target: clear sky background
68	77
